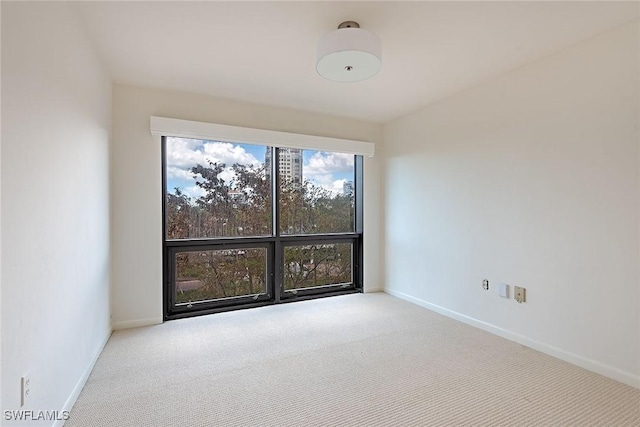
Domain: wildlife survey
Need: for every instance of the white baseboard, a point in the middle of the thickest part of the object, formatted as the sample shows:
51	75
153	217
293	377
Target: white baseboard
126	324
71	400
583	362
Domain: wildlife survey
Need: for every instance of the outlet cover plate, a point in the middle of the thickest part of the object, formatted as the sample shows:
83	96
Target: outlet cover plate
25	388
503	290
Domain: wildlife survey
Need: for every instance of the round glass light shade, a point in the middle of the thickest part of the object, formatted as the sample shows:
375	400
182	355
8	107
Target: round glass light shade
349	55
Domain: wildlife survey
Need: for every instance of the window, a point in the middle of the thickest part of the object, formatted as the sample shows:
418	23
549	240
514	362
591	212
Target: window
248	225
316	202
312	266
216	189
209	275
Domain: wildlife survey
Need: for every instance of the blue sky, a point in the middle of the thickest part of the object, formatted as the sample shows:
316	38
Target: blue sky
328	170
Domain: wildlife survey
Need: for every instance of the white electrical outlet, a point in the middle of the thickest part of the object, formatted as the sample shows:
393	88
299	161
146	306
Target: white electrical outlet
25	388
520	294
503	290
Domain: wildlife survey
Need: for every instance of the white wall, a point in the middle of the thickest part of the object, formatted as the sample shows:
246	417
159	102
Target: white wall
56	111
1	407
530	179
137	189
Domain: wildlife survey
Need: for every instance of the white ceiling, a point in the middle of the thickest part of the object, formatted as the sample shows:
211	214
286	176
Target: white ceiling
264	52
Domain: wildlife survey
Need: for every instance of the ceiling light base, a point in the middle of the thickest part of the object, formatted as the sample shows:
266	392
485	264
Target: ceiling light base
349	24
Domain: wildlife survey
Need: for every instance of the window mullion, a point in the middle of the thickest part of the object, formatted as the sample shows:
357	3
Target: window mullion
277	275
358	258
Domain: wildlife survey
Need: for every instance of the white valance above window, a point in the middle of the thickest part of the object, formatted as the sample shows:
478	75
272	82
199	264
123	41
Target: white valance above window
163	126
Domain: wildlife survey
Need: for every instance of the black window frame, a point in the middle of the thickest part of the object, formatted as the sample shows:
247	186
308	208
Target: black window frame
275	244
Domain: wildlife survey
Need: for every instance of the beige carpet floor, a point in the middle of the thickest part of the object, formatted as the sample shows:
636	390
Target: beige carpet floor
355	360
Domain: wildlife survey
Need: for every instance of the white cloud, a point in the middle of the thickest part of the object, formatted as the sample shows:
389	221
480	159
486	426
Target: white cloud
328	163
227	174
194	192
338	185
322	166
184	153
329	183
177	173
224	152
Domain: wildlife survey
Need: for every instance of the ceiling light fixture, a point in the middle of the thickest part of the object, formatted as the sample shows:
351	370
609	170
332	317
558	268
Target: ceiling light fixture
349	54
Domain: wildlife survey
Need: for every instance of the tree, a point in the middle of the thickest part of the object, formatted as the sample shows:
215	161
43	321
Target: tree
178	212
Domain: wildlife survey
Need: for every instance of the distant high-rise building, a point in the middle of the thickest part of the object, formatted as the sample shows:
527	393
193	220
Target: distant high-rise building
347	188
290	164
